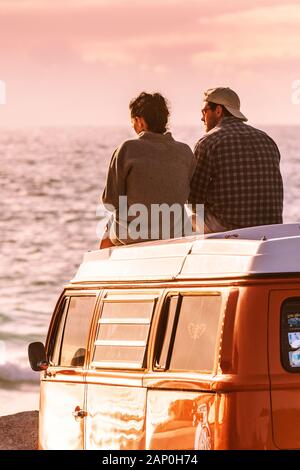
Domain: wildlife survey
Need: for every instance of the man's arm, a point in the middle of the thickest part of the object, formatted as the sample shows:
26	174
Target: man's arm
202	175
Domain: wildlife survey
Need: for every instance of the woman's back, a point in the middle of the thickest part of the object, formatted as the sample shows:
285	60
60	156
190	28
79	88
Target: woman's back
157	169
149	178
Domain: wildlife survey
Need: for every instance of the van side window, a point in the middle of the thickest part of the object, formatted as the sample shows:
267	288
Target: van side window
72	331
168	318
123	330
191	332
290	334
59	328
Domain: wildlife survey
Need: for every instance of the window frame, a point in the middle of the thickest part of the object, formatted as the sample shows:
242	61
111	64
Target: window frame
58	314
284	347
115	297
162	328
53	331
60	329
162	331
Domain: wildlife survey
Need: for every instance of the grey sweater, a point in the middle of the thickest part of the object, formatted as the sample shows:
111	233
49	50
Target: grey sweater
152	169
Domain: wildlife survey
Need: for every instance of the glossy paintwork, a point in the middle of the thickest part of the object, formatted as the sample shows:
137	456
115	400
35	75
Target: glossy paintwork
116	418
205	421
231	408
179	420
242	376
58	428
285	386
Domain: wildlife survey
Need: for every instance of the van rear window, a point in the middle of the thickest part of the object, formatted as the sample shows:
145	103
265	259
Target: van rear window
191	331
72	329
290	334
123	330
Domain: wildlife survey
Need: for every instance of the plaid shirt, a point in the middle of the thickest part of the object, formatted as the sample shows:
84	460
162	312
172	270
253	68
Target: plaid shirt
237	176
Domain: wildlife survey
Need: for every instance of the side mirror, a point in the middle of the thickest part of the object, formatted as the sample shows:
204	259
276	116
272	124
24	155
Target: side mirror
37	356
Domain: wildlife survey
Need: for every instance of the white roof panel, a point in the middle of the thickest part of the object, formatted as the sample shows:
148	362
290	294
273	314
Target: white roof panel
255	250
149	261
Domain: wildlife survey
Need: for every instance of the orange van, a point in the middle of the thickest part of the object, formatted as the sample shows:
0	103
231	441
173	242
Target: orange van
191	343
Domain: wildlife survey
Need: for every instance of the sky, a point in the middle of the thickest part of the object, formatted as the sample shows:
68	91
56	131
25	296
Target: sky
79	62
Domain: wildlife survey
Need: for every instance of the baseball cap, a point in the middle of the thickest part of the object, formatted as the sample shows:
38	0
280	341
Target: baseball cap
228	98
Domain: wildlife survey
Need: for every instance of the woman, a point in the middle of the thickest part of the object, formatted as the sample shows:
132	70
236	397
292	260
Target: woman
145	173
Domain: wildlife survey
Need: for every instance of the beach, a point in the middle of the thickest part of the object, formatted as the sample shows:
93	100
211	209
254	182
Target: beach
19	431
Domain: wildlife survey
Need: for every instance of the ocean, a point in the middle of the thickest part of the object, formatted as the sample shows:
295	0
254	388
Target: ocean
51	180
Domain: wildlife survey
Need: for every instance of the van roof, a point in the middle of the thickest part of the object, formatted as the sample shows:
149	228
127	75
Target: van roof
243	252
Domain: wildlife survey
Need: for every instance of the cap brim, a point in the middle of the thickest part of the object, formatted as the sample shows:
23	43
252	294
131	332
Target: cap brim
236	113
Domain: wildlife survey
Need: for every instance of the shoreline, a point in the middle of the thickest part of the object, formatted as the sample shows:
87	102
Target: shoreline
19	431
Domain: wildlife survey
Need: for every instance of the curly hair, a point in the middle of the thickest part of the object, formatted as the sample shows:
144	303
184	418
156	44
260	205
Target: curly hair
153	108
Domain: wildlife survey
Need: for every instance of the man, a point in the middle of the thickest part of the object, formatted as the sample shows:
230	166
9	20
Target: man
237	177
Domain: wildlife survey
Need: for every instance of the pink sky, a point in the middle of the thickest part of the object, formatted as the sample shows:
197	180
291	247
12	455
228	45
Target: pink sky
68	62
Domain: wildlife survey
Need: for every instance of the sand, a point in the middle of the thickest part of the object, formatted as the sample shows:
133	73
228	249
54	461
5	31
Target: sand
19	431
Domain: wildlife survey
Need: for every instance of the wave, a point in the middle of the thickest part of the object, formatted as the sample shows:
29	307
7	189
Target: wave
14	373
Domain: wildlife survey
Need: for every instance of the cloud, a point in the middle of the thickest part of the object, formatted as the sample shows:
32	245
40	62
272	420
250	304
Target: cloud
104	54
168	50
288	14
110	49
85	3
258	37
264	54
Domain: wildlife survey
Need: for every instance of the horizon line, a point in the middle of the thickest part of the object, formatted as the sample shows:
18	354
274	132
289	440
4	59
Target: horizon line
124	126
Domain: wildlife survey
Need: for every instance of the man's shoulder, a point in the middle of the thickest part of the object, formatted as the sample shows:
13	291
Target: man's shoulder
258	132
236	127
210	138
221	134
261	138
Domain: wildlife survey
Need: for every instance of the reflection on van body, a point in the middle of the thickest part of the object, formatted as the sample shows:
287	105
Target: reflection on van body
116	417
184	425
184	344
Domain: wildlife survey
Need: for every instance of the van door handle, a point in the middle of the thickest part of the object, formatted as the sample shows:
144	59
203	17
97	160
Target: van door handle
79	413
